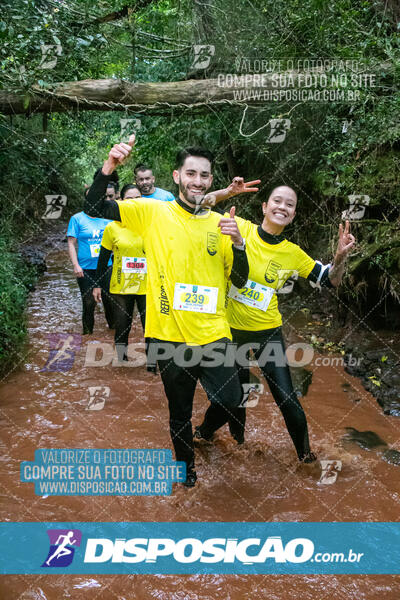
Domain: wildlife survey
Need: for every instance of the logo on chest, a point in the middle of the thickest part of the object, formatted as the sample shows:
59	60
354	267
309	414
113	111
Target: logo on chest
212	243
271	272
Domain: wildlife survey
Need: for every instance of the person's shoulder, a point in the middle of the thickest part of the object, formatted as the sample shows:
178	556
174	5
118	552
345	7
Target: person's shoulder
244	223
164	194
111	226
295	249
292	246
145	205
77	217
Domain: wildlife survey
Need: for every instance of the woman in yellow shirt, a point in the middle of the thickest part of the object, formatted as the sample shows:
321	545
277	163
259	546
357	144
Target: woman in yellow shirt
128	278
254	317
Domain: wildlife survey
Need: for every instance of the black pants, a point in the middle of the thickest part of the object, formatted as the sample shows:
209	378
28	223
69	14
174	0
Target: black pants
123	306
221	383
270	354
86	285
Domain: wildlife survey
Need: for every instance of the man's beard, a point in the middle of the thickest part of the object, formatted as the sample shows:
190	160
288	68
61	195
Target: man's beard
144	189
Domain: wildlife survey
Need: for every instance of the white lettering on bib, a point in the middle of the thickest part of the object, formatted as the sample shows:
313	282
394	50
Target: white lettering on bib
253	294
134	265
196	298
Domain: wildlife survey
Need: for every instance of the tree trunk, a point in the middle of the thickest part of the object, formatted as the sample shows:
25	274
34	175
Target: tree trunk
149	98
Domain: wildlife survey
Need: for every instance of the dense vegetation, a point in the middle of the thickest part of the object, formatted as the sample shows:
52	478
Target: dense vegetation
153	41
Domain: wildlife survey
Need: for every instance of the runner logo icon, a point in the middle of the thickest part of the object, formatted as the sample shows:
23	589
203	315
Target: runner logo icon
62	542
63	347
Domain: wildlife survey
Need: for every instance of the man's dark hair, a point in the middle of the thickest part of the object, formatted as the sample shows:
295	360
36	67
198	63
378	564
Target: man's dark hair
193	151
114	179
126	187
141	167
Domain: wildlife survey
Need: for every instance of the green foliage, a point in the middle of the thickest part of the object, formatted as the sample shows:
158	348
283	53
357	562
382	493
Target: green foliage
16	279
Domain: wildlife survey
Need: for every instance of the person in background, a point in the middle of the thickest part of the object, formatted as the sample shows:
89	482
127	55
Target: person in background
84	235
145	182
129	191
128	276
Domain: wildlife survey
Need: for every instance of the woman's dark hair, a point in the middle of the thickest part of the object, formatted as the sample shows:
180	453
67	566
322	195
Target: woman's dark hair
127	186
193	151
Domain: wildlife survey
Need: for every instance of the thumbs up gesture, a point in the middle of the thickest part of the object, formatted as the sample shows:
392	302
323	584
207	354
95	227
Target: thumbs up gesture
118	154
230	227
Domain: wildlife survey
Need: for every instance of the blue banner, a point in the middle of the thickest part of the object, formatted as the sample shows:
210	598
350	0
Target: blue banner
214	548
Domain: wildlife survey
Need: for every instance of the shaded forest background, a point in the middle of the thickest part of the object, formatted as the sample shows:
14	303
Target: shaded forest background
153	41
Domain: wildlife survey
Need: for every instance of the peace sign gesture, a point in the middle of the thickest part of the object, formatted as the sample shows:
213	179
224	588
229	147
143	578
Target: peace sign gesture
239	186
346	241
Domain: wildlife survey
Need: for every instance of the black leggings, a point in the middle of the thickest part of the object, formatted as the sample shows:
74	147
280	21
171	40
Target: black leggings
269	350
123	306
86	285
221	383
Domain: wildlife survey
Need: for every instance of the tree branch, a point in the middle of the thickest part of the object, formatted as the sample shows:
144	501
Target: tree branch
125	11
150	98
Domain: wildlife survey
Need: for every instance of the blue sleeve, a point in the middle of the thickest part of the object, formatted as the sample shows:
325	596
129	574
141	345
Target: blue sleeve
73	227
170	197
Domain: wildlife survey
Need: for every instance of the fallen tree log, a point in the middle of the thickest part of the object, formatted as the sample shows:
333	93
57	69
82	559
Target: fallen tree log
151	98
162	97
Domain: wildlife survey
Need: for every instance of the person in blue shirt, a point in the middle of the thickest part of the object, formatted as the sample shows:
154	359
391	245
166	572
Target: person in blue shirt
145	182
84	235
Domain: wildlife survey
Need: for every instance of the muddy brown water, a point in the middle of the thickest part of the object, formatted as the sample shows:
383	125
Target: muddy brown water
260	481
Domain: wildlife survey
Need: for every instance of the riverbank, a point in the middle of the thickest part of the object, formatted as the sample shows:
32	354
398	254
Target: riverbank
333	327
23	262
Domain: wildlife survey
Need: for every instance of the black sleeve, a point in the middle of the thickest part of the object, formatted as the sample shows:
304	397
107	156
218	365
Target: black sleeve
96	204
325	281
240	268
102	267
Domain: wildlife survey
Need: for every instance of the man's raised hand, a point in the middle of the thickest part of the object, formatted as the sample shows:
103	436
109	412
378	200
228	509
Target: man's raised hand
239	186
230	227
117	155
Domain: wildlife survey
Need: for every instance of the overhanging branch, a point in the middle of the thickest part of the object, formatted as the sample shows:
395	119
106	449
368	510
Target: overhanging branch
151	98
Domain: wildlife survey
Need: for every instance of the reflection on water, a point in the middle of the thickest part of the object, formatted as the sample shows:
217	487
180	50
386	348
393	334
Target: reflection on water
259	481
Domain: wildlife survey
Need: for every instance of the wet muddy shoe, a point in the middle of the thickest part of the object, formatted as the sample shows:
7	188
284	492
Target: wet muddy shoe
191	479
310	457
199	438
237	436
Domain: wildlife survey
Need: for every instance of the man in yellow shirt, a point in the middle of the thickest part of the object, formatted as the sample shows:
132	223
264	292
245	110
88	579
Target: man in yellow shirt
190	254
